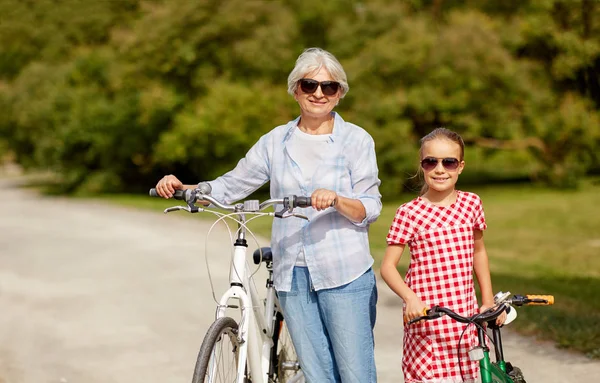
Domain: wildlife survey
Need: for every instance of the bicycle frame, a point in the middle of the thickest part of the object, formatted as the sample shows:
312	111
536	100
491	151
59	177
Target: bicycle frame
245	292
492	372
254	352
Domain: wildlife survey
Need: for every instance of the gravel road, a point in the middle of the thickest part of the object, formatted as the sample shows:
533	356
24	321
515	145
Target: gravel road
92	293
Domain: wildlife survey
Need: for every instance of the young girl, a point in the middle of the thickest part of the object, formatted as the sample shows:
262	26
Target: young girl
443	228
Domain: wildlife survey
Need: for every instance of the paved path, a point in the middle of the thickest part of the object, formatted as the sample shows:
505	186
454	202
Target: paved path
93	293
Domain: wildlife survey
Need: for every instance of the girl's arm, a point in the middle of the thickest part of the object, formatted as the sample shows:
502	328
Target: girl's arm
391	276
482	271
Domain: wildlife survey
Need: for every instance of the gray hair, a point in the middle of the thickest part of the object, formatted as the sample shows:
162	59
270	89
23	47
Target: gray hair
313	59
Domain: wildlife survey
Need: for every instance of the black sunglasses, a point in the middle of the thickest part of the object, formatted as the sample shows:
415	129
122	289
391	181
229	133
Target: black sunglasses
329	88
430	163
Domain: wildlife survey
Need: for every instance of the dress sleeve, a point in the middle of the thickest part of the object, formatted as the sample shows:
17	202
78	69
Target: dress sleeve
479	223
402	229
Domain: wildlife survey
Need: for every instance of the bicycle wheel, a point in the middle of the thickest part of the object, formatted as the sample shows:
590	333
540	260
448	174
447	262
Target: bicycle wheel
218	357
515	374
284	361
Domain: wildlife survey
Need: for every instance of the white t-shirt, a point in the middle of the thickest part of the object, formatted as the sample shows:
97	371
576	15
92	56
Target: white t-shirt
307	151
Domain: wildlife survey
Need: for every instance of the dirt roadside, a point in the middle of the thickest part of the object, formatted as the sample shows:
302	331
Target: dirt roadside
97	293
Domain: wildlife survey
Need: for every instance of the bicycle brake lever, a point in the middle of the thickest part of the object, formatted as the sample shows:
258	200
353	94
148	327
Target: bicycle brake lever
186	208
175	208
300	216
280	214
284	215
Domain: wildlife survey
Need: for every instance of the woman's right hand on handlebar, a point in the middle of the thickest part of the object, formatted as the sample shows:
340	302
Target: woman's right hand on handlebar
167	185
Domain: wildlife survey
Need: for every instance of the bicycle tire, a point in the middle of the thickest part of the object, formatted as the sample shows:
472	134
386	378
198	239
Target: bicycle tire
221	346
284	360
516	375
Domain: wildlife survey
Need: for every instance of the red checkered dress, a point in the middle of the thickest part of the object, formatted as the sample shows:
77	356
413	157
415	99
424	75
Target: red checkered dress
441	246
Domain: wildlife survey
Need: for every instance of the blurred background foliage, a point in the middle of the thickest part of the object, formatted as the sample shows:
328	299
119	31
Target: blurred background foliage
112	95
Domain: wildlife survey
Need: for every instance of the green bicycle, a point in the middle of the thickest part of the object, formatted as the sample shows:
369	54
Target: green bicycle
499	371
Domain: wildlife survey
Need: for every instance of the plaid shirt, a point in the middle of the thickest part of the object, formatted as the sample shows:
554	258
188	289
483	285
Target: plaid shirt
336	249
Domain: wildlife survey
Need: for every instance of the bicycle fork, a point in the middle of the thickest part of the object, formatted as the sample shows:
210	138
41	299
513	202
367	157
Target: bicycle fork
490	372
249	304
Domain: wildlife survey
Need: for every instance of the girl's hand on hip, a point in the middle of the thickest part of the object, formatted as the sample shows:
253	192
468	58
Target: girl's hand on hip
167	185
322	199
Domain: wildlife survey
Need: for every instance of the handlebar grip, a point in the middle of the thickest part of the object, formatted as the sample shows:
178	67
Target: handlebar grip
179	194
302	202
540	300
425	314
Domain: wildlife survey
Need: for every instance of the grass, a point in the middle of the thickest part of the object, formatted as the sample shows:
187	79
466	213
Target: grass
539	241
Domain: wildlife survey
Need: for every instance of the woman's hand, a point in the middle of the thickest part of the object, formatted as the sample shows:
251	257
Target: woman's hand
500	320
167	185
322	199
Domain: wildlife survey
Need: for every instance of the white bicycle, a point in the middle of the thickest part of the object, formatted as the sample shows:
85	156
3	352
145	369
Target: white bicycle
256	348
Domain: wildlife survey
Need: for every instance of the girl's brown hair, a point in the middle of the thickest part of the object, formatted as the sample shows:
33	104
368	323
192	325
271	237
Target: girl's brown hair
440	133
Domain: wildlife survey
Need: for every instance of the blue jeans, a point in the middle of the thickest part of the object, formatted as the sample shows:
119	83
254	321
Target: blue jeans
332	329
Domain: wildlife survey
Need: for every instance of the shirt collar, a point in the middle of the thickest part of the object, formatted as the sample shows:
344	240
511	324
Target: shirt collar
338	126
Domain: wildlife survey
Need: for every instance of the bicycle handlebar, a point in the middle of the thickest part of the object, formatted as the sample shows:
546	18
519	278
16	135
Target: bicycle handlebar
192	196
534	300
178	193
488	315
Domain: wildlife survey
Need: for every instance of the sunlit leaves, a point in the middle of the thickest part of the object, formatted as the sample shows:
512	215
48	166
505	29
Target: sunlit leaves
215	131
114	93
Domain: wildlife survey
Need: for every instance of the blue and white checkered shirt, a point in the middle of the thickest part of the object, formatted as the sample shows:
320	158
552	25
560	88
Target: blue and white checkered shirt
336	249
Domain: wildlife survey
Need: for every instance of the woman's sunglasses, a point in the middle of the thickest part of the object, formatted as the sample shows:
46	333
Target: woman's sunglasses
430	163
329	88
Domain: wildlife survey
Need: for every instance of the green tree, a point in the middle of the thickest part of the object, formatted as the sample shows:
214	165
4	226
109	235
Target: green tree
49	31
114	93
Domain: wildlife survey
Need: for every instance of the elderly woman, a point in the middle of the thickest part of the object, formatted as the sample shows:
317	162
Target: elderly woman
322	267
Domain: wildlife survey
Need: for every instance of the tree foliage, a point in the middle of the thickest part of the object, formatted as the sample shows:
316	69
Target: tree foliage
113	94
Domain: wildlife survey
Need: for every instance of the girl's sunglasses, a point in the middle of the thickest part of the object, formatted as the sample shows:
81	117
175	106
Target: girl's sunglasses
430	163
329	88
